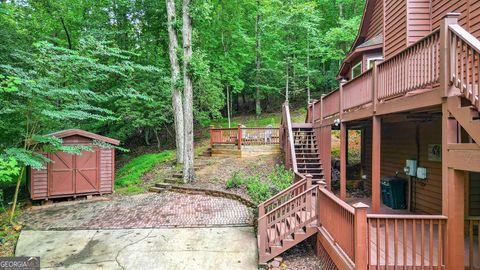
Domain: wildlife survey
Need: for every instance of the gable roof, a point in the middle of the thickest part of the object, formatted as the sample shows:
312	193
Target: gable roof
71	132
360	43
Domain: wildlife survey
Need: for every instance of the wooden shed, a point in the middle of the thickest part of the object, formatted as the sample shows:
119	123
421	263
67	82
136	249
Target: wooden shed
70	175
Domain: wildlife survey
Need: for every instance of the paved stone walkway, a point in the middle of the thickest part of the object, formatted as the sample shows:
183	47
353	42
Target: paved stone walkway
149	210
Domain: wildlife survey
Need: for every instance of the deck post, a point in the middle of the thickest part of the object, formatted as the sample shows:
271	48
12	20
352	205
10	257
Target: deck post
239	134
309	180
375	85
361	238
327	155
453	194
211	136
376	161
343	160
445	52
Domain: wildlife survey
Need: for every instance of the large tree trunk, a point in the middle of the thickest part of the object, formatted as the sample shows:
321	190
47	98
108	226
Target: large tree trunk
258	46
176	91
188	171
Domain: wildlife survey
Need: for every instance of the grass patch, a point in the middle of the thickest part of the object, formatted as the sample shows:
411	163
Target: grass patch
128	178
260	189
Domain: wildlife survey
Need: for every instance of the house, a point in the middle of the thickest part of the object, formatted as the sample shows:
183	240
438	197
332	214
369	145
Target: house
410	85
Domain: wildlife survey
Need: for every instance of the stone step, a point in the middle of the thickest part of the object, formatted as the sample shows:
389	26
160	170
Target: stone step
173	180
156	189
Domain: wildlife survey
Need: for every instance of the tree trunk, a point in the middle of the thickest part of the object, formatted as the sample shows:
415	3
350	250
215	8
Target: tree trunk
157	137
258	46
177	102
188	171
286	80
227	86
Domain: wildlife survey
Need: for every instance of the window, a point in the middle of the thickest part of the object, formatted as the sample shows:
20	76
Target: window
356	70
371	60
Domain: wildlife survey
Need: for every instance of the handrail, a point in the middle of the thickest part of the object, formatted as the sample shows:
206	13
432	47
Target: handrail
337	200
396	216
464	74
283	192
287	202
290	136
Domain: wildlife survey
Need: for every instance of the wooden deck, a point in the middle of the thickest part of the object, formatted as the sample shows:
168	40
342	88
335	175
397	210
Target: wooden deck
385	252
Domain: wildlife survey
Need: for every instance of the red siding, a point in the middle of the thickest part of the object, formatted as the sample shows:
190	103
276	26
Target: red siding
101	169
39	183
441	7
474	17
419	24
376	23
398	145
395	27
106	171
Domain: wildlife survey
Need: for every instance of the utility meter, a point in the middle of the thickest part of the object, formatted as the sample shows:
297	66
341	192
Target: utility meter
411	167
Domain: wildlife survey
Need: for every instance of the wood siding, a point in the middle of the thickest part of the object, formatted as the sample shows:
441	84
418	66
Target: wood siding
419	24
399	144
103	169
376	22
474	18
106	170
395	27
39	183
441	7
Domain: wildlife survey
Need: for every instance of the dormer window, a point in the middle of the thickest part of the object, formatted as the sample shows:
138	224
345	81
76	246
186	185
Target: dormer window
371	60
356	70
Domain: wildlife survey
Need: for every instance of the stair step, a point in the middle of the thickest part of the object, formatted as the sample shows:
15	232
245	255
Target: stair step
175	180
163	185
156	189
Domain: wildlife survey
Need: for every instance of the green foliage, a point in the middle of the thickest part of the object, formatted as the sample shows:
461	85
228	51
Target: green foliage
280	178
260	189
8	170
130	174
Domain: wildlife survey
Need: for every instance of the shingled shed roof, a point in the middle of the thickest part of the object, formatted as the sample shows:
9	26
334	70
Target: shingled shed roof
71	132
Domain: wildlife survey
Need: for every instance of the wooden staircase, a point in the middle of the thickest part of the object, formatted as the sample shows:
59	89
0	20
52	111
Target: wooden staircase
467	115
307	153
291	216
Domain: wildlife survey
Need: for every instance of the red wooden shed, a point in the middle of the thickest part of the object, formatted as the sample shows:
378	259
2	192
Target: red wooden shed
71	175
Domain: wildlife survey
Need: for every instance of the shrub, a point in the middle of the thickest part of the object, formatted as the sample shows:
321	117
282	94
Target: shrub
258	190
130	174
280	178
235	181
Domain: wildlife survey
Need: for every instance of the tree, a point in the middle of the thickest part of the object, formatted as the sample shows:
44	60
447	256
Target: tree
188	169
177	102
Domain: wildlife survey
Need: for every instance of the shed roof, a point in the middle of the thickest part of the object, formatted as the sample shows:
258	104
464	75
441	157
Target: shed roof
71	132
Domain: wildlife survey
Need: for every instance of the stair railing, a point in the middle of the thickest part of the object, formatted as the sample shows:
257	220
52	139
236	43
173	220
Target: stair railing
464	65
303	203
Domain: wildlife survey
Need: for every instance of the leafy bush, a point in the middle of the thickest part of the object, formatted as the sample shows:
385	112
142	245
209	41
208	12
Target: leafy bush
258	190
235	181
130	173
281	178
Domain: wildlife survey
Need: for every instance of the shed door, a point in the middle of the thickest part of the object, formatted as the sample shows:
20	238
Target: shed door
86	173
62	173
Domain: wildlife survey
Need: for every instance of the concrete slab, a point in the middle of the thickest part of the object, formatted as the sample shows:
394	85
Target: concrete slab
186	248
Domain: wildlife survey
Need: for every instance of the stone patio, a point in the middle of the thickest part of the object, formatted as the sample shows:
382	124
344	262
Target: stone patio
149	210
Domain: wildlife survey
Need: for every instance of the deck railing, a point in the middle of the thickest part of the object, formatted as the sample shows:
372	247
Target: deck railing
302	203
473	237
465	62
416	67
285	195
337	218
358	91
286	139
244	136
414	241
331	104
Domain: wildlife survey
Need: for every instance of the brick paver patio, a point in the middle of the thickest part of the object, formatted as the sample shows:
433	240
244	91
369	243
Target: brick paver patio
150	210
